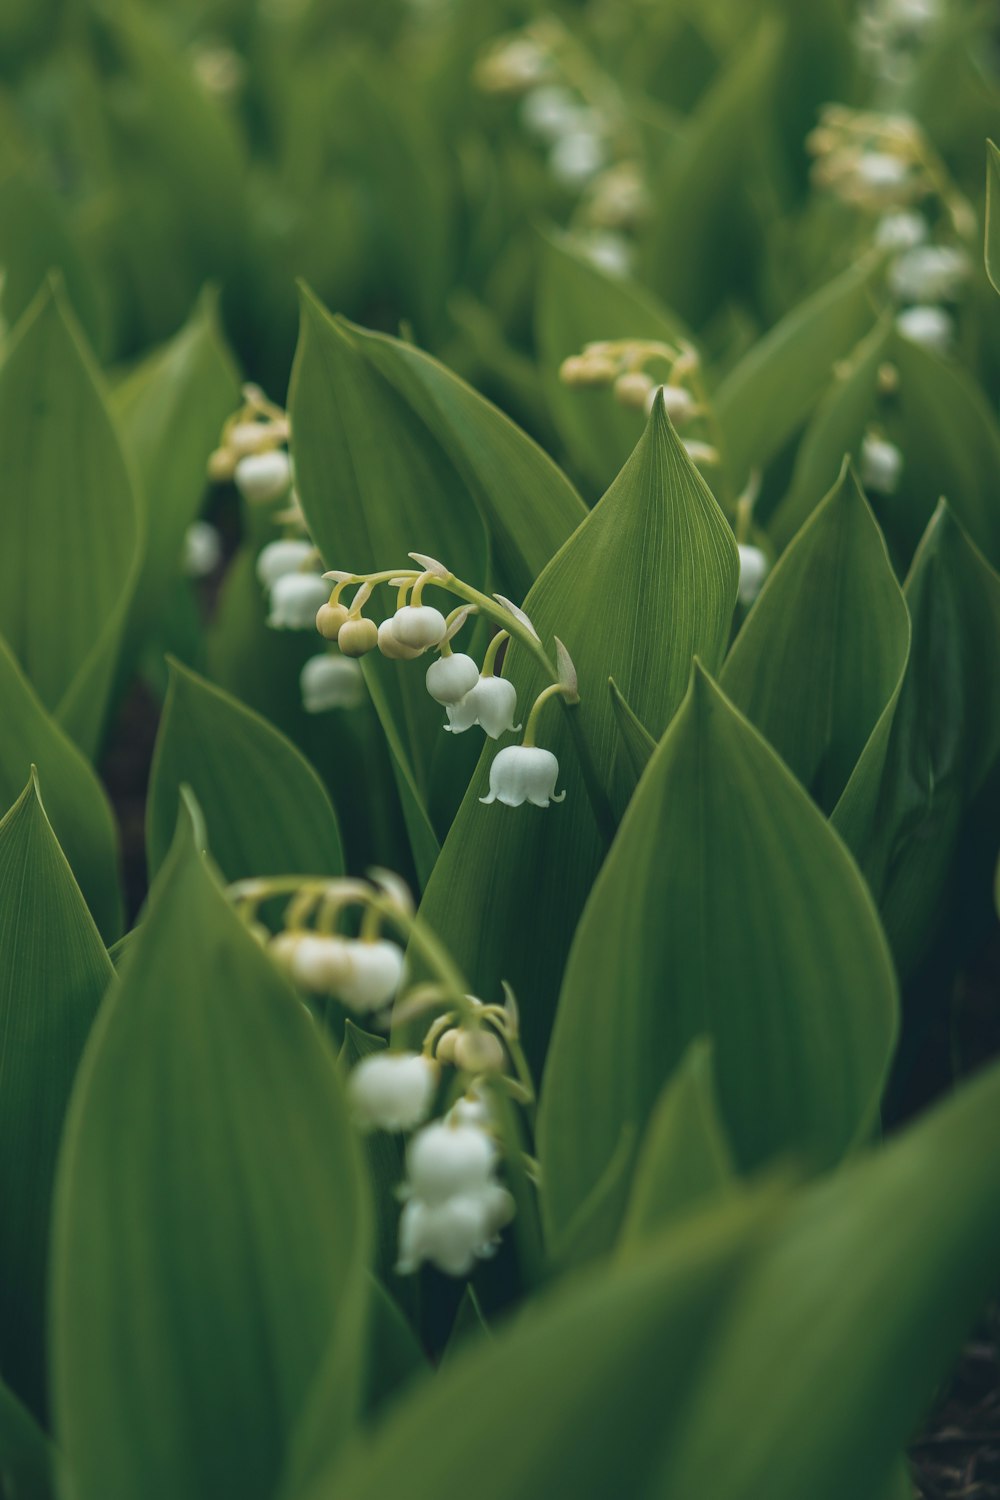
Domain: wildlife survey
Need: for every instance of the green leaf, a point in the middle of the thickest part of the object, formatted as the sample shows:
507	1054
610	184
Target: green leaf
34	239
76	801
646	583
774	387
170	410
841	1331
266	810
395	1357
71	525
585	1358
684	1160
528	505
53	972
823	650
727	908
25	1455
211	1225
637	742
577	303
903	823
992	247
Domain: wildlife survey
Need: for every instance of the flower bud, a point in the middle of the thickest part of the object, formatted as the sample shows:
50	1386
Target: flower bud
881	465
419	626
329	681
295	598
930	327
391	648
202	550
288	555
524	773
444	1051
928	274
329	618
578	155
263	476
445	1160
451	677
900	230
634	388
479	1052
221	464
753	571
320	964
375	973
357	636
392	1090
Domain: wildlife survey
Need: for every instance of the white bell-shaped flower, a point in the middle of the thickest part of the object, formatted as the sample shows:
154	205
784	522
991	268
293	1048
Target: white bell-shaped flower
451	677
491	704
392	648
261	477
445	1160
901	230
202	550
392	1090
753	570
318	963
294	599
451	1235
288	555
930	327
373	977
881	464
880	171
329	681
418	626
928	273
578	155
524	773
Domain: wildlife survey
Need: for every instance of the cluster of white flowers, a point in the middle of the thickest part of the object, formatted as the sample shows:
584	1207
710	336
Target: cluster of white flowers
362	973
253	450
289	572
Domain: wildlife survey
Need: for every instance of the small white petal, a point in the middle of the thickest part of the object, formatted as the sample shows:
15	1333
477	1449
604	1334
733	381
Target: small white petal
376	971
295	599
320	964
524	773
288	555
930	327
418	626
392	1090
329	681
753	571
881	464
263	476
202	550
495	705
449	678
443	1160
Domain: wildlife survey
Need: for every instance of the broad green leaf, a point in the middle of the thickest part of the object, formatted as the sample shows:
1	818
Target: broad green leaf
837	427
645	584
76	802
211	1224
726	908
604	1361
842	1329
948	435
53	972
823	650
774	387
992	251
35	239
528	505
170	410
903	823
71	526
576	303
395	1357
684	1160
637	742
266	810
25	1455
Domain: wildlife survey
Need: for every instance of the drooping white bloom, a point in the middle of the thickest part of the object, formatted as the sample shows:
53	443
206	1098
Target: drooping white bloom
328	681
472	1108
294	599
373	976
524	773
881	465
318	963
491	704
202	550
549	111
753	571
881	171
901	230
418	626
931	327
577	156
288	555
390	647
450	678
260	477
392	1090
928	273
446	1160
455	1234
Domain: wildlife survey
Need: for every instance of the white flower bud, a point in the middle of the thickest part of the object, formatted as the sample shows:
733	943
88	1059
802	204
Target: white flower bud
524	773
445	1160
549	112
329	618
578	155
263	476
202	550
392	1090
901	230
319	964
479	1052
881	171
295	598
881	465
634	388
418	626
930	327
329	681
451	677
289	555
753	570
357	636
928	273
391	648
373	977
609	252
471	1109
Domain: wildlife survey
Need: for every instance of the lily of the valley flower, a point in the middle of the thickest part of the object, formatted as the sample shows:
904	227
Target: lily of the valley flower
524	773
881	464
260	477
295	599
491	703
329	681
363	974
753	571
374	976
287	555
357	636
930	327
451	677
392	1090
454	1208
419	626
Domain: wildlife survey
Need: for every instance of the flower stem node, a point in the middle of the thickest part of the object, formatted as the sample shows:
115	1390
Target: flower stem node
450	678
392	1090
288	555
261	477
419	626
295	599
328	681
753	571
357	636
329	618
491	704
524	773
